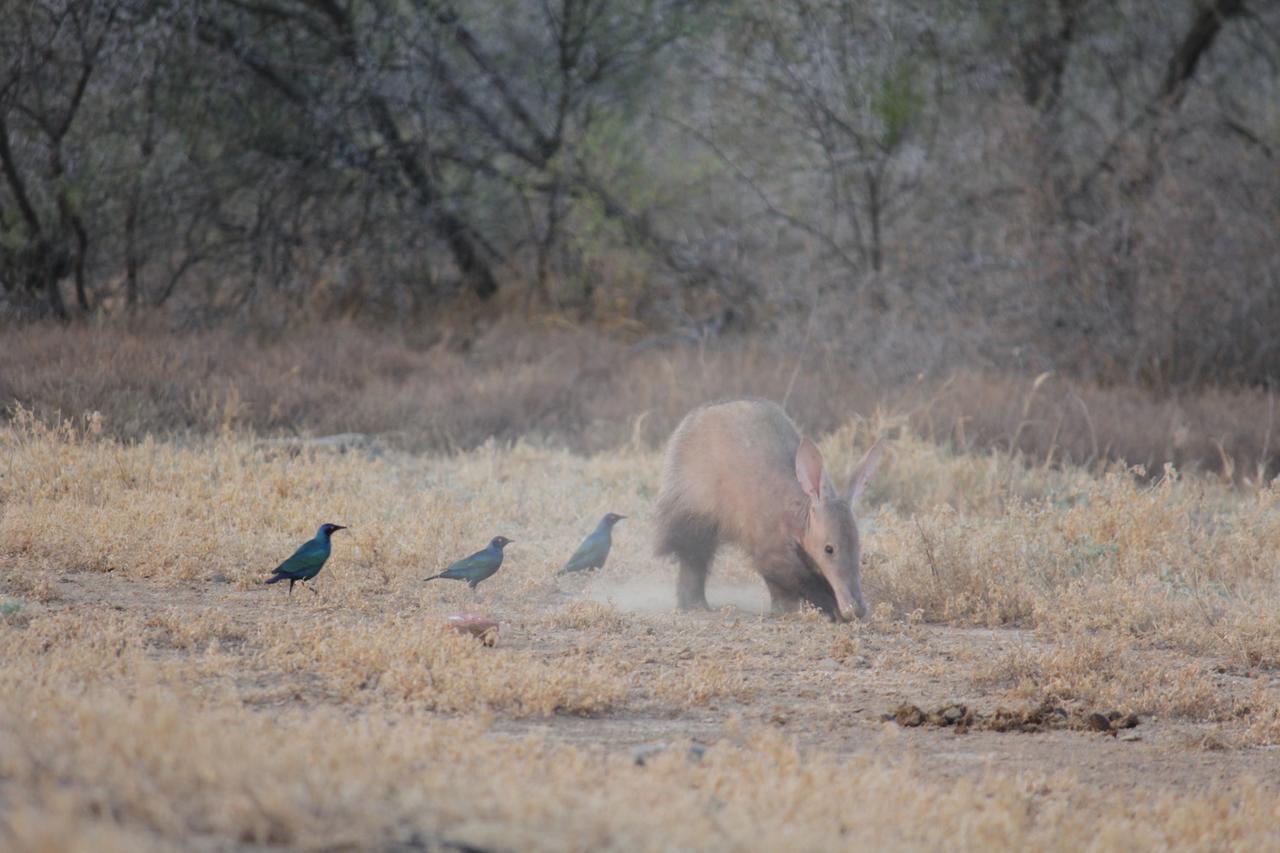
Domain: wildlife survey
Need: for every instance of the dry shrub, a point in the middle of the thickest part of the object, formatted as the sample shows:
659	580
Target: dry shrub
918	474
22	580
591	616
1101	671
949	569
1261	711
1053	419
1181	562
590	392
844	647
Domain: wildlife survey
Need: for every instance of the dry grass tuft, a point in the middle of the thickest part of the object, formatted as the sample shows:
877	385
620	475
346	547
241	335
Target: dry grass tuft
698	682
589	616
1096	671
439	669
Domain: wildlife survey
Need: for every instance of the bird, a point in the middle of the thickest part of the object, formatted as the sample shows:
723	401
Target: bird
308	560
479	566
594	550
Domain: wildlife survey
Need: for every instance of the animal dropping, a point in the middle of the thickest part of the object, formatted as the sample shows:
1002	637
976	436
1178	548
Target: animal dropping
741	473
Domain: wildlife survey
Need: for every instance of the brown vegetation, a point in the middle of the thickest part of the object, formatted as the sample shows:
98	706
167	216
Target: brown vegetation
436	273
155	694
589	392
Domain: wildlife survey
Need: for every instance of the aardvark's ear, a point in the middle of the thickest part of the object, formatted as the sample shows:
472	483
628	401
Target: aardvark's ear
809	469
862	474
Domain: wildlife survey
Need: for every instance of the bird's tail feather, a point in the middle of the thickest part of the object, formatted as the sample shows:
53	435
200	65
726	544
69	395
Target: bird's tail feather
274	579
433	577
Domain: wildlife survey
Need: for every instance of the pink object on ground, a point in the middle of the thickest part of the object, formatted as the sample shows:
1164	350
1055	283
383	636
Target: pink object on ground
475	624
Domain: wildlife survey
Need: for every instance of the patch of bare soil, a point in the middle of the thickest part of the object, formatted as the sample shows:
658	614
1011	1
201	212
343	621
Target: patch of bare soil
827	686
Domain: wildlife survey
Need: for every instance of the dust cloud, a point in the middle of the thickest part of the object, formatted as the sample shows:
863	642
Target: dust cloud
654	594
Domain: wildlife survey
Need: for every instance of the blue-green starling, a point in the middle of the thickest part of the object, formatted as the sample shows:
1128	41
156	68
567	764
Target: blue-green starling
479	566
594	550
308	560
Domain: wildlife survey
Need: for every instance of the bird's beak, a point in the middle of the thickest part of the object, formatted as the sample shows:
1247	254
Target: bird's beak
337	527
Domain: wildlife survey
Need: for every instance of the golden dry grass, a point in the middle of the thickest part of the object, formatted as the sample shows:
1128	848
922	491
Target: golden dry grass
442	388
154	695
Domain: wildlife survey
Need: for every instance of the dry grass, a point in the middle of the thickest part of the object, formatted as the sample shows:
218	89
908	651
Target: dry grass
325	780
435	390
414	660
153	695
1098	672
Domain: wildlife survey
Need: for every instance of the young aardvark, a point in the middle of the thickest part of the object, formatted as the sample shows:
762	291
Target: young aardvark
739	472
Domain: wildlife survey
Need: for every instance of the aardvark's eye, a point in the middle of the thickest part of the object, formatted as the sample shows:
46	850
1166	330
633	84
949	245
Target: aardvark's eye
829	549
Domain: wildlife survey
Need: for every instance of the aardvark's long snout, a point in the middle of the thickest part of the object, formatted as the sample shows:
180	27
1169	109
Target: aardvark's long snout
849	597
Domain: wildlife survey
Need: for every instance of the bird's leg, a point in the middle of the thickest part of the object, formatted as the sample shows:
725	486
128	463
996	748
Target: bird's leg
291	586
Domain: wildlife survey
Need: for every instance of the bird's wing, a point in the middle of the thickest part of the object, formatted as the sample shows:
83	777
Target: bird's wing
589	554
310	555
480	561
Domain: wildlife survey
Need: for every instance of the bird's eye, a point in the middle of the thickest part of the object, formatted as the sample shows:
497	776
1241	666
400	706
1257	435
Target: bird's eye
829	549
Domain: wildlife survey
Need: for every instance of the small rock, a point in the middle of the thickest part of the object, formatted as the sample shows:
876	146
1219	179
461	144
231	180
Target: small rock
1130	737
645	751
909	715
1097	723
1213	742
952	714
828	664
1128	721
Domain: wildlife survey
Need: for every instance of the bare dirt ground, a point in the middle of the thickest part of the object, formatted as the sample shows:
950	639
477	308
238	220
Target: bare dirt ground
790	680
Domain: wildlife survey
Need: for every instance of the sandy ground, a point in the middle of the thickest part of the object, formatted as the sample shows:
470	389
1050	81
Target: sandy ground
790	677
